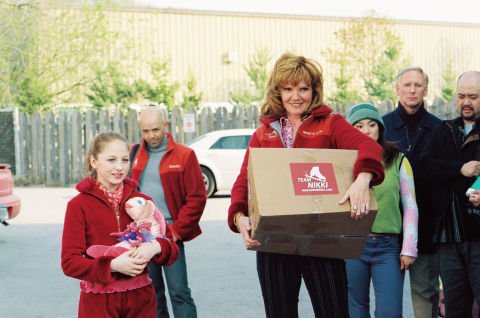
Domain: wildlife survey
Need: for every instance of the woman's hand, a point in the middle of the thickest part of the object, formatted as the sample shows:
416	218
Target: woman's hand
245	228
128	265
359	195
406	261
147	250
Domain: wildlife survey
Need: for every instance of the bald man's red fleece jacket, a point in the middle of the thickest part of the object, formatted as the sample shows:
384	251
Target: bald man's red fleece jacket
183	186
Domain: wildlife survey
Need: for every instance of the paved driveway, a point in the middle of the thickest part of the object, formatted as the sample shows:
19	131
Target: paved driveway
221	272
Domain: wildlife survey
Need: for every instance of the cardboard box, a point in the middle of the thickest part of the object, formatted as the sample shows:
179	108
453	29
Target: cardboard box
293	202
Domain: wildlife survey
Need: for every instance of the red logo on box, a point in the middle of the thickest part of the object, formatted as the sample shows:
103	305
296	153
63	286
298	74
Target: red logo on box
313	178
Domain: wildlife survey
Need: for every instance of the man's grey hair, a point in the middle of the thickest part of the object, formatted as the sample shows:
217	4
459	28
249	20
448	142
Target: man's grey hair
411	68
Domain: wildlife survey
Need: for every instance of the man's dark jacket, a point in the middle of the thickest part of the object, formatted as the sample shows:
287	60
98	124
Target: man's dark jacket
445	155
397	132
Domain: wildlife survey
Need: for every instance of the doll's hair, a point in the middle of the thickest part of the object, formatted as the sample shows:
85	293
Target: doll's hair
97	145
291	69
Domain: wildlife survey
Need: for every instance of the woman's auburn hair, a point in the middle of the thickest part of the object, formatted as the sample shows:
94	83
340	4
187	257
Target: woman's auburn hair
291	69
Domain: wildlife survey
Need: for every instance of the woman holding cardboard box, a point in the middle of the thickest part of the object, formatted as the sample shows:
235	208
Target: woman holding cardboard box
384	256
294	116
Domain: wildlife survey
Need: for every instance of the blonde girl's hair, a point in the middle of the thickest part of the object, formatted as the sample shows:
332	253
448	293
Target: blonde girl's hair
97	145
291	69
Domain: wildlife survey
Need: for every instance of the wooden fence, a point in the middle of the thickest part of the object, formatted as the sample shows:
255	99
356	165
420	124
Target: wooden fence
50	147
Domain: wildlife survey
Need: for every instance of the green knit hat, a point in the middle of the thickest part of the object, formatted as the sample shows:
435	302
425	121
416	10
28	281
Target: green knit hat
365	111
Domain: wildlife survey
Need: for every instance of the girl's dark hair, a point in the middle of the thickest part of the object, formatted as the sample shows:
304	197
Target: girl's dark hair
390	151
96	146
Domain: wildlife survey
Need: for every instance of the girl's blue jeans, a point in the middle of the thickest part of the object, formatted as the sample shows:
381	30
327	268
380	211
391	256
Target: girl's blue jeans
380	263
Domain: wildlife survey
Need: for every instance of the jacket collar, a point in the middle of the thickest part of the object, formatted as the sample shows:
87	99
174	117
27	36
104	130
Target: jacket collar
425	121
141	158
170	143
457	123
89	185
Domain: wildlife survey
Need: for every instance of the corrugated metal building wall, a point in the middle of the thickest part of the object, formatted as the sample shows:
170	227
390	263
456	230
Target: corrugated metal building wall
198	41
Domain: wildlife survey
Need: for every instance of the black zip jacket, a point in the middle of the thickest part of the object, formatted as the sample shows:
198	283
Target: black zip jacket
442	161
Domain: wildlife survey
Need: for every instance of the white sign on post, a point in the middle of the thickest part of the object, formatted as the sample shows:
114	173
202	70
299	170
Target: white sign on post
189	123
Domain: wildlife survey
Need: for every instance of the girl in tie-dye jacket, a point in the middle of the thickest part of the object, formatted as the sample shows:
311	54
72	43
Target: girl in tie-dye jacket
392	245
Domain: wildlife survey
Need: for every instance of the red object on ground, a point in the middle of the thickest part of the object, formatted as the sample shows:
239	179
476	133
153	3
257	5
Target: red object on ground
8	200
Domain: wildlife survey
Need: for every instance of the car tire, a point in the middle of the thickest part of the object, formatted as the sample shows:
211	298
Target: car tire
209	180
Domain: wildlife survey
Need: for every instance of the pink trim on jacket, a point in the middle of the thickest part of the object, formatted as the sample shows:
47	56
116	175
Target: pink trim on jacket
119	285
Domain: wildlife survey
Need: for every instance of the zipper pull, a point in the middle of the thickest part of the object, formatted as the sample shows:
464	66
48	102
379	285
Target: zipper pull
117	215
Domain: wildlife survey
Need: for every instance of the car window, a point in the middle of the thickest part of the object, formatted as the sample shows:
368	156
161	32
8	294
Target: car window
195	140
246	140
231	142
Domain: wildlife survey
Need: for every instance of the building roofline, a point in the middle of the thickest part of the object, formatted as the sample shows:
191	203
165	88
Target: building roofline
138	8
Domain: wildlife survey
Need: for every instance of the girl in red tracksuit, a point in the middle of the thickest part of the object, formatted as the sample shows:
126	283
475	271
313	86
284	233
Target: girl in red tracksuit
110	286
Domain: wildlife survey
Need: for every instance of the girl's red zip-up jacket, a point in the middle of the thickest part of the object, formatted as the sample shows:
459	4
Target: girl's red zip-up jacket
89	220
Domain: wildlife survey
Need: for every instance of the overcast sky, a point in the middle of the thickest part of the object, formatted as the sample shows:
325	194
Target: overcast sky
429	10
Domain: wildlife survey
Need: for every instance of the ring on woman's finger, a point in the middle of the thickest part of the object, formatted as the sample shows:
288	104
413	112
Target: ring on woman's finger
354	207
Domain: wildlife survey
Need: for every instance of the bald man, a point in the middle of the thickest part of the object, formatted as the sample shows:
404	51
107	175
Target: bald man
169	172
452	161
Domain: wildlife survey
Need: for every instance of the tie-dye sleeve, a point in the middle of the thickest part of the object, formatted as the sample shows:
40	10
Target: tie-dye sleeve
410	210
